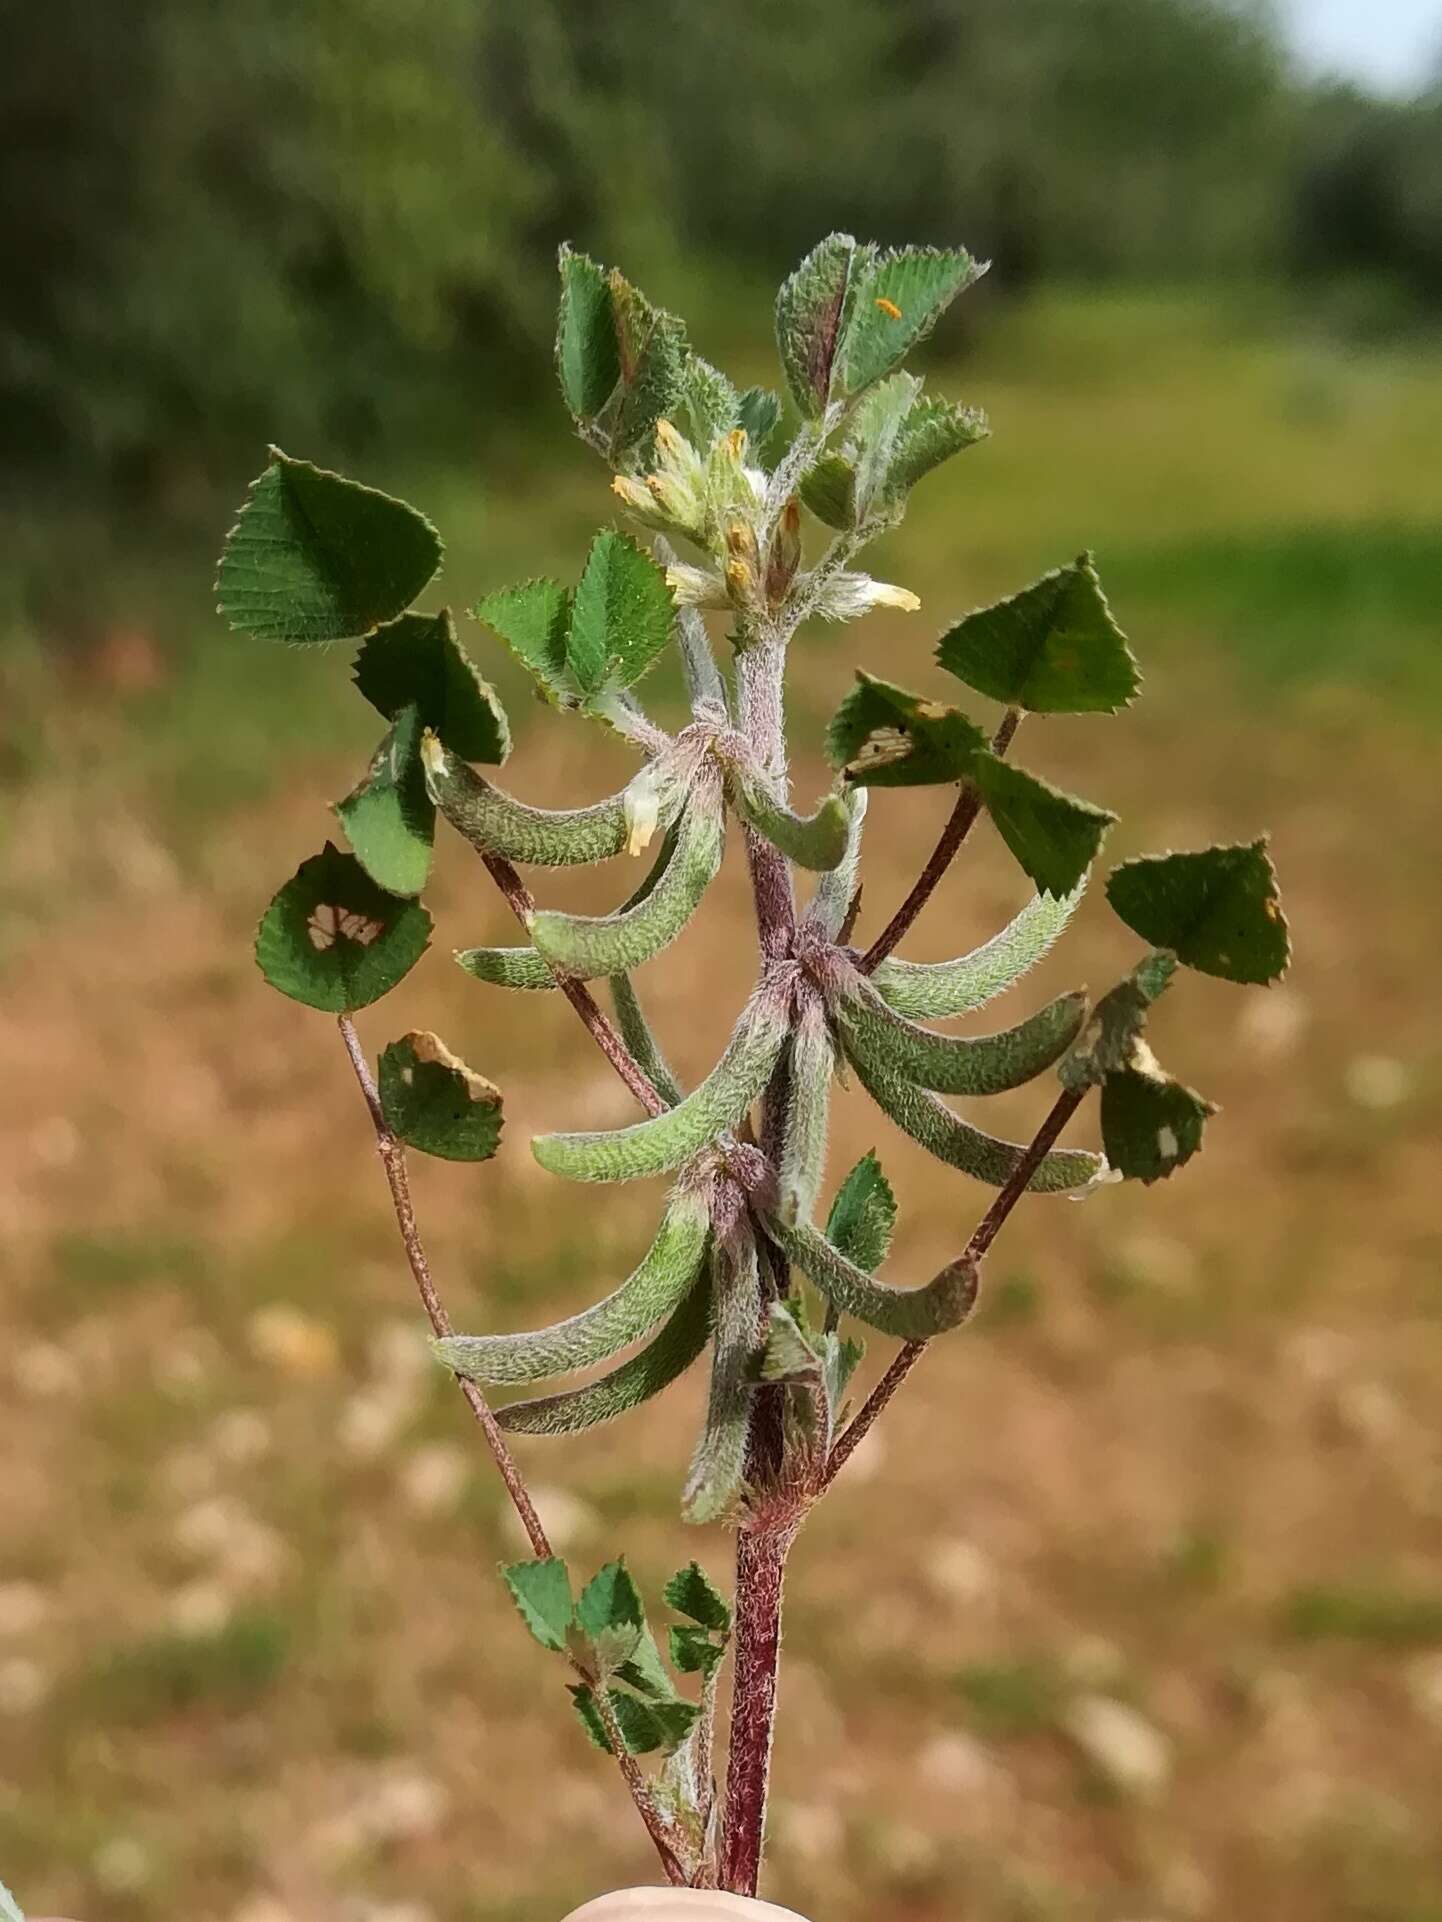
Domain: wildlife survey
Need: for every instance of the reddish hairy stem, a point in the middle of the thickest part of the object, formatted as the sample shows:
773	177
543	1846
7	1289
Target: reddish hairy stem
983	1235
761	1552
959	824
393	1160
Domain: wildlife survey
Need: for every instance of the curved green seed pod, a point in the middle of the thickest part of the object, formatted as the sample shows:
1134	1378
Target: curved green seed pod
960	1064
665	1275
637	1380
507	967
933	1126
913	1314
831	902
496	823
934	990
637	1035
717	1467
587	946
803	1141
813	840
656	1146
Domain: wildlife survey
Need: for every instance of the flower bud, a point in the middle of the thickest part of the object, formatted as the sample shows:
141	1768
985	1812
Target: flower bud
847	596
784	556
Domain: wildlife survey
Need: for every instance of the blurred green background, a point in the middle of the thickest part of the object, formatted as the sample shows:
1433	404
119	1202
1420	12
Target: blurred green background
1136	1612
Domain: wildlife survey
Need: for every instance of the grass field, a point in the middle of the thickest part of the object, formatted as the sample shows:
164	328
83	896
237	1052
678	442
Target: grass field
1135	1610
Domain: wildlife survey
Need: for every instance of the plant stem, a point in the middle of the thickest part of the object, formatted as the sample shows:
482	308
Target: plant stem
959	825
761	1551
602	1030
760	666
983	1235
393	1160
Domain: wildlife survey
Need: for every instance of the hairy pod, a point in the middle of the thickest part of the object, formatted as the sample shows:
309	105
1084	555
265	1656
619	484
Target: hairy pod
656	1146
810	1065
507	967
665	1275
912	1314
645	1374
587	946
933	1126
934	990
496	823
719	1463
816	841
836	889
959	1064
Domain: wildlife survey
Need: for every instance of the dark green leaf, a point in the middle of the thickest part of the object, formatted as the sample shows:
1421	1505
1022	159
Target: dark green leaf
434	1102
1117	1023
713	407
542	1592
610	1599
621	617
313	557
645	1672
692	1650
1054	836
417	661
829	490
811	312
645	1726
758	410
692	1593
653	356
532	620
334	940
1054	648
932	432
587	358
898	299
886	737
863	1215
1151	1124
1218	909
390	819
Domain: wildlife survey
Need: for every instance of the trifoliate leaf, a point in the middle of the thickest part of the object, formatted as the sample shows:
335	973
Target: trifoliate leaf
692	1650
334	940
1151	1124
829	490
621	617
931	433
645	1726
542	1592
434	1102
863	1215
587	357
758	411
896	301
417	661
692	1593
532	620
390	819
314	557
1218	910
1054	836
1054	648
812	307
884	736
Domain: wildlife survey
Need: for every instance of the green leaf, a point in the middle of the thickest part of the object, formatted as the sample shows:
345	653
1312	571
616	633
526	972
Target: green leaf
1151	1124
863	1215
313	557
645	1726
542	1592
811	312
758	411
587	357
622	615
611	1614
645	1672
532	620
334	940
692	1650
417	661
653	357
932	432
1054	648
692	1593
712	404
434	1102
1218	910
884	736
790	1353
390	819
1117	1024
899	298
829	490
1054	836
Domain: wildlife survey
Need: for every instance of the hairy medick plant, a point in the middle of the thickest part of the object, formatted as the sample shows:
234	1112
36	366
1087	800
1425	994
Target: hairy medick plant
742	1263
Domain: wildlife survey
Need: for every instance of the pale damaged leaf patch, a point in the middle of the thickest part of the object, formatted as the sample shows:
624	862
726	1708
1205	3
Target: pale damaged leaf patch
335	940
